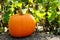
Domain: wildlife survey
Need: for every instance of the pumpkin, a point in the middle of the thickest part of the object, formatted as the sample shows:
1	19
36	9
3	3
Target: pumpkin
21	25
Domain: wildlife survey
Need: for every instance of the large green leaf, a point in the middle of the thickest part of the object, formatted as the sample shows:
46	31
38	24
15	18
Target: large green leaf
53	15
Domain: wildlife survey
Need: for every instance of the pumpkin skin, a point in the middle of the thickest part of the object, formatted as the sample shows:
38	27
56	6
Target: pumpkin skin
21	25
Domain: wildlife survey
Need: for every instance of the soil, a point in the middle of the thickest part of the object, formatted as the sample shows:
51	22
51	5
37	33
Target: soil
34	36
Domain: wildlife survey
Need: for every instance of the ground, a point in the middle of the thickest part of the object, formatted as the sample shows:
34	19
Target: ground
34	36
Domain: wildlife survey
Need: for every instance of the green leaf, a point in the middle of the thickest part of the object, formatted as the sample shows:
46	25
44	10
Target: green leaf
59	18
24	0
5	0
53	15
39	1
1	29
39	14
6	17
53	4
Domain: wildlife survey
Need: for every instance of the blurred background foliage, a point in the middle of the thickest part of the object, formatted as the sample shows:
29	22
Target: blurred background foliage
45	12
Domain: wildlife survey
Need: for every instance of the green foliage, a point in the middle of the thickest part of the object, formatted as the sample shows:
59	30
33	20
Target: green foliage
24	0
6	16
38	8
50	4
39	1
53	15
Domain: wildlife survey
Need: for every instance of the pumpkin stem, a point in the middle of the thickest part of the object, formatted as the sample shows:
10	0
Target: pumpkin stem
20	12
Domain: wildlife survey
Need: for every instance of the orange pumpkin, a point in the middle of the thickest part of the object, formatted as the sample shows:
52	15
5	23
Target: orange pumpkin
21	25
